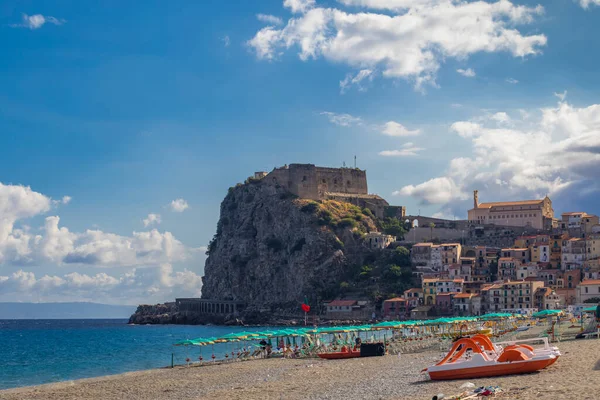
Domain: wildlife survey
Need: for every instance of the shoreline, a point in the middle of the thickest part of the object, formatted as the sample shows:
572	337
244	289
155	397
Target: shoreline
388	377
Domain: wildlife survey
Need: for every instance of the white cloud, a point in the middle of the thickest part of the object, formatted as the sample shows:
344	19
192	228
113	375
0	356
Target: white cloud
342	119
140	285
152	219
501	117
299	6
37	21
561	96
406	152
58	245
587	3
179	205
469	72
226	40
434	191
392	128
410	45
512	81
269	19
356	79
539	155
66	199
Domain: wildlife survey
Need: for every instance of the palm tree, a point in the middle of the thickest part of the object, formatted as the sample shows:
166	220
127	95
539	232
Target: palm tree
431	226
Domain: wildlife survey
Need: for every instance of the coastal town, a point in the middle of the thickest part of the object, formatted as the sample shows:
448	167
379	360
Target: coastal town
557	267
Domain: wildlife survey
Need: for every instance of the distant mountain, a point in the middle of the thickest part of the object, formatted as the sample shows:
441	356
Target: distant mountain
63	311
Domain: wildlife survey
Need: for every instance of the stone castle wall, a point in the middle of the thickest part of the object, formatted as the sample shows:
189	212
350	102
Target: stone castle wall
310	182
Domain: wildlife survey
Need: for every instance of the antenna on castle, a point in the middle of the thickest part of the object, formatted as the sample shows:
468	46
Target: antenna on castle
344	164
355	161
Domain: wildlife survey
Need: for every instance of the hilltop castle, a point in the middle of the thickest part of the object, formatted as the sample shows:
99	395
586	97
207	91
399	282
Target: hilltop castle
308	181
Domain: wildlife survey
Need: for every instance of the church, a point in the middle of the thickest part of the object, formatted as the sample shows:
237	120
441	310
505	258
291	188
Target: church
537	214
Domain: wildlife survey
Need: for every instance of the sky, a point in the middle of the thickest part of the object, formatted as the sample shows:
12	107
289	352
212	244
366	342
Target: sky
123	124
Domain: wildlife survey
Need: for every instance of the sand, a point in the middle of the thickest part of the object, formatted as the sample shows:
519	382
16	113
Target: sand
574	376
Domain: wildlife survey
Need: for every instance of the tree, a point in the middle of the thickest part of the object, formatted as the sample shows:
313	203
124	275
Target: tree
394	227
401	256
431	226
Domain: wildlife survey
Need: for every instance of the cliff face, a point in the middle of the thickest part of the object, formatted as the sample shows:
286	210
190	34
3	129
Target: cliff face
272	249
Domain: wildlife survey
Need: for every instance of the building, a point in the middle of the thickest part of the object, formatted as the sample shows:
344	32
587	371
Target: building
507	268
429	256
484	258
578	223
467	304
420	255
526	271
349	309
540	253
537	214
421	312
548	299
431	287
413	297
588	289
443	303
556	244
450	253
378	240
511	295
559	279
528	241
573	253
521	254
395	309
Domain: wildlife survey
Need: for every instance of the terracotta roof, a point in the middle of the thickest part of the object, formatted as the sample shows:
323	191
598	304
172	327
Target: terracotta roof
458	280
510	203
342	303
423	245
465	295
395	299
575	213
413	290
590	282
506	259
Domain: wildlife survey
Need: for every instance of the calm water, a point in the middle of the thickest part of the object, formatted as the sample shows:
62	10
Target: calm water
42	351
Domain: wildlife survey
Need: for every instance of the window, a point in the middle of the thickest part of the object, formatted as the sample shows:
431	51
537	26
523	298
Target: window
586	289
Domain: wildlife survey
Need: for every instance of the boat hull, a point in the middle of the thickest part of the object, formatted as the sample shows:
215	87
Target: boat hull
499	369
339	355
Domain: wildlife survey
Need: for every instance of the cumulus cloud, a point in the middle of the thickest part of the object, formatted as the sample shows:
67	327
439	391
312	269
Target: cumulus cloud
37	21
139	285
226	40
342	119
269	19
411	43
586	3
179	205
151	219
543	153
355	80
561	96
512	81
56	244
469	72
501	117
393	128
299	6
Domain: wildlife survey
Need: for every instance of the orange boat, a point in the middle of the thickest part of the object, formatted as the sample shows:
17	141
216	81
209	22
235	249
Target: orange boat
345	352
483	360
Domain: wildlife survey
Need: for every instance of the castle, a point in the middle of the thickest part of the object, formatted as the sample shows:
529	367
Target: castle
308	181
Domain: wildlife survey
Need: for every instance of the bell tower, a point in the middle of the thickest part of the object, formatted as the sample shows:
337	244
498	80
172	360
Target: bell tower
475	198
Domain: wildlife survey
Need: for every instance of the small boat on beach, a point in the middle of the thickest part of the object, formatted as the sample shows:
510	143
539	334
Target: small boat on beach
477	357
345	352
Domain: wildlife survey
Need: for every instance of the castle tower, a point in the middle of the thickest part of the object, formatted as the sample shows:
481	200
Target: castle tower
475	198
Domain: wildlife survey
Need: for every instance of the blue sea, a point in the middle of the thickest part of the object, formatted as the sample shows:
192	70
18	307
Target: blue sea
34	352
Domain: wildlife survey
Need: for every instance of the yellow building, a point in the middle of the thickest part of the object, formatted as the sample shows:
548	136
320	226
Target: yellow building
537	214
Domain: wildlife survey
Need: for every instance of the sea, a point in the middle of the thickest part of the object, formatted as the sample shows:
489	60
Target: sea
34	352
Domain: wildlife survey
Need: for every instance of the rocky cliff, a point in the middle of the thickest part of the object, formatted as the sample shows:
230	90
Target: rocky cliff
272	249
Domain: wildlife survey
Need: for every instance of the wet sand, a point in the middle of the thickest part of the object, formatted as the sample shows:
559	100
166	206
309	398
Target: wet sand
574	376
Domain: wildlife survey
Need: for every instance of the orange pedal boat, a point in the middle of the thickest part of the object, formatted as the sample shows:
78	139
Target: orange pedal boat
484	360
345	352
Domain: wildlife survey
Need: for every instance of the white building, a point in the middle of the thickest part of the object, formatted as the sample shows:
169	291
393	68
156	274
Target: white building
588	289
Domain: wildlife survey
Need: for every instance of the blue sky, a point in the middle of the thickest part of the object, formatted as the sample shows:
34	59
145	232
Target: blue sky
126	107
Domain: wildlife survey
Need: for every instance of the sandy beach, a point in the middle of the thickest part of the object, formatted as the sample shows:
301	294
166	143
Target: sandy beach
574	376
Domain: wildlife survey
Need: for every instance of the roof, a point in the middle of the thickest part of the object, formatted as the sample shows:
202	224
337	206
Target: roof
590	282
506	259
423	245
395	299
342	303
510	203
575	213
414	290
465	295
